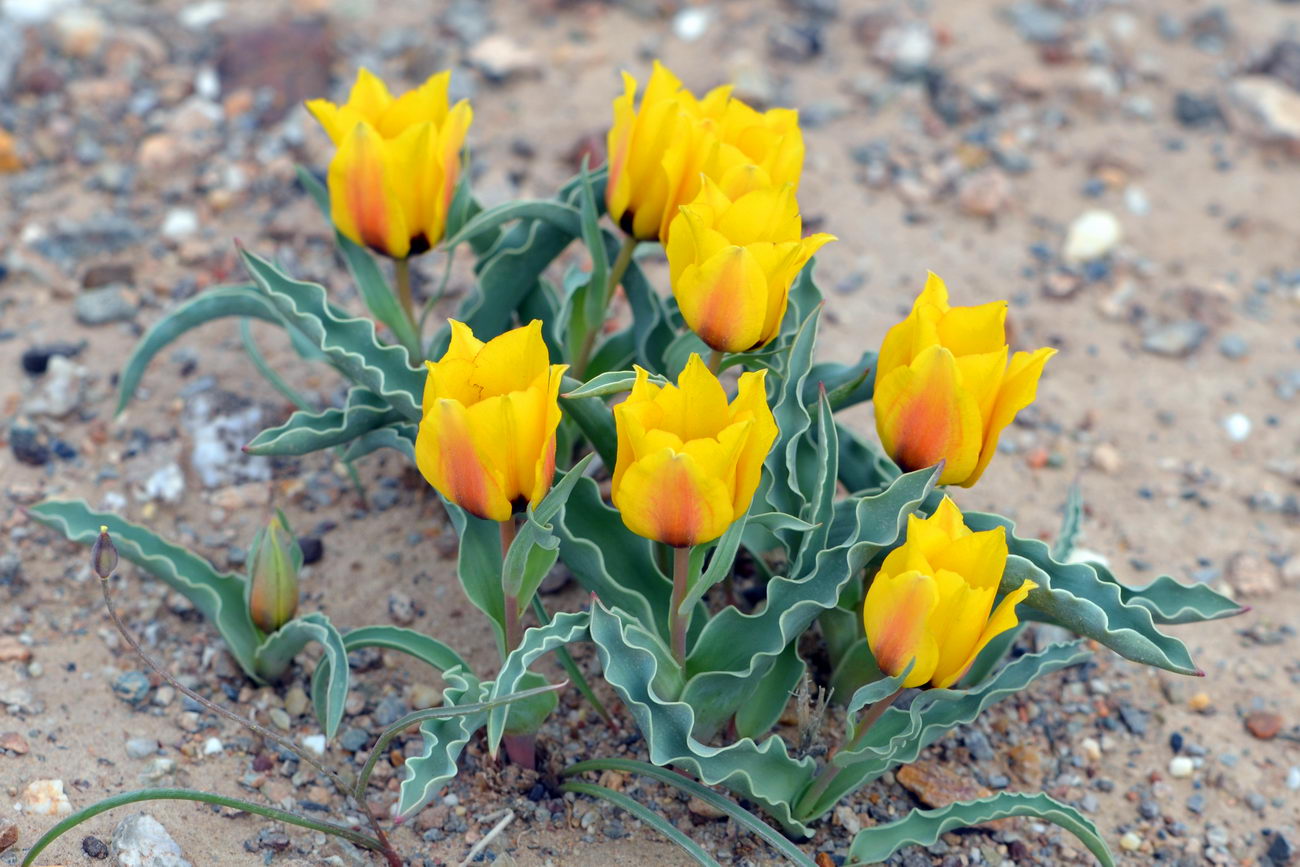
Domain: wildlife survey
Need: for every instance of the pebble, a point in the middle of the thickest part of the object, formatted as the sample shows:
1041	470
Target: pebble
165	484
1251	574
1281	851
296	702
315	744
1263	724
213	747
1091	236
140	840
45	798
1233	346
36	359
180	223
1130	842
141	748
1091	749
102	306
279	718
984	193
1268	108
500	58
1181	766
1237	427
28	446
1293	778
1174	339
94	848
389	710
937	785
132	687
354	739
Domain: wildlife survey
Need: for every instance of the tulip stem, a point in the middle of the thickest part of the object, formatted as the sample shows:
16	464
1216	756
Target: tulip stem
616	273
715	361
402	270
676	619
830	771
514	630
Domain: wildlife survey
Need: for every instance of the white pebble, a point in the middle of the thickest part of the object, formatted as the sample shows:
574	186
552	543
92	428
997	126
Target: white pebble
1293	778
1181	766
180	223
1130	842
315	743
1238	427
1137	201
1091	749
691	23
1092	235
212	747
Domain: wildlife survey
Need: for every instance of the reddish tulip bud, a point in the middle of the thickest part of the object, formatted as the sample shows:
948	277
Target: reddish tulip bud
103	554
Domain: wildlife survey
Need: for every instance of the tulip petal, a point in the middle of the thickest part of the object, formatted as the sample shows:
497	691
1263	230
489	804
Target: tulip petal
544	468
667	497
618	143
895	616
369	96
512	361
364	203
724	300
957	621
446	455
924	416
980	558
425	104
974	330
1003	618
751	403
1019	388
697	405
981	375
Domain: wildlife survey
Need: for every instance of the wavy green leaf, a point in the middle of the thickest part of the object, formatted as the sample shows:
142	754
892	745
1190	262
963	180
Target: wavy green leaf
1171	601
761	711
762	772
924	827
734	648
564	628
400	437
900	735
1075	597
863	464
478	566
275	654
219	596
215	303
426	773
349	342
375	290
306	432
535	547
1071	523
611	382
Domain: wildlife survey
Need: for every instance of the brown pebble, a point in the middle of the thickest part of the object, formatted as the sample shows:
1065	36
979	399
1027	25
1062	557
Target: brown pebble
12	650
1263	724
938	786
8	837
14	743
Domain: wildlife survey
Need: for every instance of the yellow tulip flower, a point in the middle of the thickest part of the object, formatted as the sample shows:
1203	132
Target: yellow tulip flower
397	162
658	151
688	461
945	389
487	441
732	255
932	599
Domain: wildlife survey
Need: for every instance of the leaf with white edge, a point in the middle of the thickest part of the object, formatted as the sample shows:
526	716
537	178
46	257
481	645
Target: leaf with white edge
424	774
1071	523
478	566
216	303
595	420
464	207
414	644
564	628
924	827
349	342
306	432
988	659
652	316
275	654
863	464
820	505
900	735
535	547
761	772
611	382
876	690
793	422
1171	601
1073	596
724	557
219	596
561	216
734	649
374	289
763	708
845	384
399	437
595	301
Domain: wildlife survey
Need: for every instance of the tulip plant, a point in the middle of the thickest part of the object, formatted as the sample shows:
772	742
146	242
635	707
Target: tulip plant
670	454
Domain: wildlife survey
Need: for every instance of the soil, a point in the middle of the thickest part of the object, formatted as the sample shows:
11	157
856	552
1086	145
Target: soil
965	139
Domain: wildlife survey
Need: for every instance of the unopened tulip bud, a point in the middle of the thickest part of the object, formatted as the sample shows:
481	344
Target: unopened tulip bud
103	554
273	582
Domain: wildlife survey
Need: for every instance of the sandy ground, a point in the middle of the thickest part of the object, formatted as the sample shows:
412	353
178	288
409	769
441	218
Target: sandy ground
1210	237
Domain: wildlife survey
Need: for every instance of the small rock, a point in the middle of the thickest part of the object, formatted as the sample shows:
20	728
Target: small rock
1197	111
906	48
1106	458
62	390
312	549
847	819
401	608
279	718
692	22
500	58
1181	766
140	840
1237	427
1130	842
290	60
423	695
13	650
389	710
14	743
1091	749
45	798
1234	346
315	744
984	193
108	273
702	809
132	686
141	748
213	747
296	702
1174	339
1252	575
1201	702
938	786
165	484
1281	851
354	739
94	848
1263	724
8	837
1091	236
180	223
102	306
36	359
28	446
1269	109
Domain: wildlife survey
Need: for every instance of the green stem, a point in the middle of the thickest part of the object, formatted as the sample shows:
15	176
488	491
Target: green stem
402	271
436	296
676	619
593	328
571	668
830	771
715	361
514	629
190	795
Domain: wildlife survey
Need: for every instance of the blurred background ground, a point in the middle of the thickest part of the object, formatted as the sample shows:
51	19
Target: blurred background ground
1125	173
